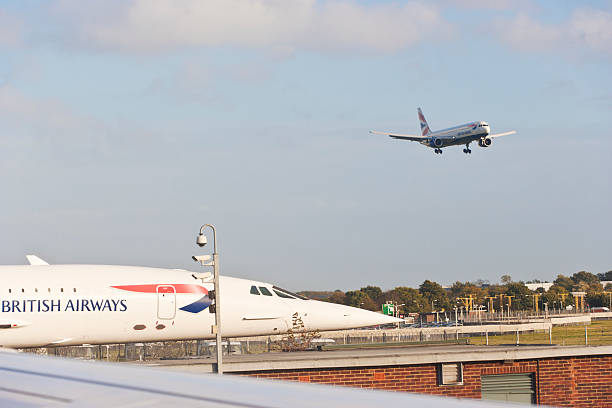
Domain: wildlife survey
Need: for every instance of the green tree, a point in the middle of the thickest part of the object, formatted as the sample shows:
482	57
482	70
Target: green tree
374	292
435	293
565	282
357	298
337	297
465	289
521	300
606	276
586	277
596	299
505	279
411	298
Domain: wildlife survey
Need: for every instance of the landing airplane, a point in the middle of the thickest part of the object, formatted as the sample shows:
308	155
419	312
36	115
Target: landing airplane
44	305
31	381
457	135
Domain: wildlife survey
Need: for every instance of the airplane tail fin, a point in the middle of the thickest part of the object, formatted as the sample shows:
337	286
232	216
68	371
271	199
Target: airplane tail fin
424	126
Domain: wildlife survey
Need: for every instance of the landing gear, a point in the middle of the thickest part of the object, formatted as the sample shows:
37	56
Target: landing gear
438	151
467	149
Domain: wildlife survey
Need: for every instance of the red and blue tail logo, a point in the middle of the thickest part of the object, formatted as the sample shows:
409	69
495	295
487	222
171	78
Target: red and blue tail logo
424	126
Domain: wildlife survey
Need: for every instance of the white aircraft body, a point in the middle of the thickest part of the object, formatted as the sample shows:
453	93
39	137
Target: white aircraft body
458	135
30	381
46	305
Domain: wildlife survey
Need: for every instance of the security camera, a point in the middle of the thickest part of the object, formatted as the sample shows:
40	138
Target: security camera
201	241
201	258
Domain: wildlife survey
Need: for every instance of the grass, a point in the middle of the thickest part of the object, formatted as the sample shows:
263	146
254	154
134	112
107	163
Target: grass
599	333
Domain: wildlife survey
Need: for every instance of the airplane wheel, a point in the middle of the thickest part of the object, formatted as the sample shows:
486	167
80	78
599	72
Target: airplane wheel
465	151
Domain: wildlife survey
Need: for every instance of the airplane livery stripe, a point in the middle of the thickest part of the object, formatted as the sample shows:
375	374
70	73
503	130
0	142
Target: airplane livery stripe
197	307
153	288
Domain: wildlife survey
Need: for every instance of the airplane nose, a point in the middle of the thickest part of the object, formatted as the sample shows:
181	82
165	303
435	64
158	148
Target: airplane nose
361	318
330	316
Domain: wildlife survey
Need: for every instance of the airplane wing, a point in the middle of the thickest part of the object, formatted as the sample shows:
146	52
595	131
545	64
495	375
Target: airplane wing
29	380
503	134
414	138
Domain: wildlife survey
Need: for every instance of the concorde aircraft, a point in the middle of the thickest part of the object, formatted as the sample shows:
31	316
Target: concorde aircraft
46	305
457	135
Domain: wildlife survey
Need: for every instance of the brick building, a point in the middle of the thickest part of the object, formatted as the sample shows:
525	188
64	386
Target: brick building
548	375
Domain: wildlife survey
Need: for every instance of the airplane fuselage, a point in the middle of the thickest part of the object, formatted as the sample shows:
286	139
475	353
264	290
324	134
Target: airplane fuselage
91	304
457	135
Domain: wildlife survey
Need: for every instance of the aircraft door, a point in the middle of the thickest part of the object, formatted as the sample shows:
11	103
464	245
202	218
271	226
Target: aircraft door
166	302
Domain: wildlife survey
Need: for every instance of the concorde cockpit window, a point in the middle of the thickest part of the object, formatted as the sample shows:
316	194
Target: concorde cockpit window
254	290
282	294
265	291
287	294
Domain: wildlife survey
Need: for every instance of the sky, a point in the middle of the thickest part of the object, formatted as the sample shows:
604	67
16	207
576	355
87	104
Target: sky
125	125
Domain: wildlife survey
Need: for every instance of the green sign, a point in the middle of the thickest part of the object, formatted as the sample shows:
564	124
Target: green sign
388	309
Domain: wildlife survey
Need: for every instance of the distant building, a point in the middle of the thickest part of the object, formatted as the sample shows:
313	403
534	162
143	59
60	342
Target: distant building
536	286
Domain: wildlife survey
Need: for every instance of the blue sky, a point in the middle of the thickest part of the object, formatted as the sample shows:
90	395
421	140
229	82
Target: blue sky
126	125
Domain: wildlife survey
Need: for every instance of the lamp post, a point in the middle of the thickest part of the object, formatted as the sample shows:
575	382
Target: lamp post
201	241
433	310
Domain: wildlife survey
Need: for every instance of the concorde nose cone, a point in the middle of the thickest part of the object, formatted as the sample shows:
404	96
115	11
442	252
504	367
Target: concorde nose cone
331	316
361	317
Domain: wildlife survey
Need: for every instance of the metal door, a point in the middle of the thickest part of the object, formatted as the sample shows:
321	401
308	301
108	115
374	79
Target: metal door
508	387
166	302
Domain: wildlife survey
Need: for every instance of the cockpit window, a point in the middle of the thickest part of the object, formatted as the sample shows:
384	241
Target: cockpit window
254	290
283	294
287	294
265	291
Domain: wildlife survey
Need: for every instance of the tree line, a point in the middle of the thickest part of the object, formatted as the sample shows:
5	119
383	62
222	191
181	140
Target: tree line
431	296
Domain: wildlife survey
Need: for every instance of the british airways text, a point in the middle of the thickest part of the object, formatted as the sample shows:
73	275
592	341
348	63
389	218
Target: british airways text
60	305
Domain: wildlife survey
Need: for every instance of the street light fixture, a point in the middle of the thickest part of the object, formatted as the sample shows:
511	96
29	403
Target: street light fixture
397	309
202	259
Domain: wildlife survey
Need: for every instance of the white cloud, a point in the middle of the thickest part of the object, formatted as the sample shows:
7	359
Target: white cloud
485	4
593	28
526	34
18	109
585	30
11	29
162	25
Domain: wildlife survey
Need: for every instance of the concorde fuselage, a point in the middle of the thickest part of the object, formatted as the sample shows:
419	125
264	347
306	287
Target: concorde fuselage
45	305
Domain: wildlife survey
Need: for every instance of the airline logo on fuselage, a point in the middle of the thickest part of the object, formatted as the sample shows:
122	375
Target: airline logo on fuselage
63	305
107	305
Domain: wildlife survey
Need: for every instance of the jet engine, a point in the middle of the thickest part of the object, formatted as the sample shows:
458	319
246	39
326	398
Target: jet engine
485	142
437	142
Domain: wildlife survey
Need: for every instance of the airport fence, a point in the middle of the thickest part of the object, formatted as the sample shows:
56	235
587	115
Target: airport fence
568	331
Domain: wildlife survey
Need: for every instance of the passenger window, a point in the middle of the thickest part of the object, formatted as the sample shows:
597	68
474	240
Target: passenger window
265	291
254	290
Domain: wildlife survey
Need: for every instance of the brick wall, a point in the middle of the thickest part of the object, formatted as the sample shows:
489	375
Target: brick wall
571	381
